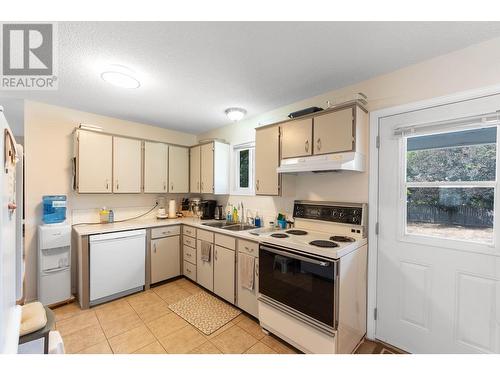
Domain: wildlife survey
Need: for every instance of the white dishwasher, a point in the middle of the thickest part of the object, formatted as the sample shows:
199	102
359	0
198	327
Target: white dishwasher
117	264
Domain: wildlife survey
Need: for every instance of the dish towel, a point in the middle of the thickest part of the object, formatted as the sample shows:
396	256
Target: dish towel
206	249
247	271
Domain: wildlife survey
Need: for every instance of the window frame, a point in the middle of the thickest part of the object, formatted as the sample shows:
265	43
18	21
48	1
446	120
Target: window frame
236	189
441	241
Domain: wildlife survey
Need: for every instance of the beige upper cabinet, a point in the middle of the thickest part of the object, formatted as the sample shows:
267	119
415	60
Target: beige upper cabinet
127	172
296	138
155	167
94	162
267	180
178	169
194	163
333	132
207	168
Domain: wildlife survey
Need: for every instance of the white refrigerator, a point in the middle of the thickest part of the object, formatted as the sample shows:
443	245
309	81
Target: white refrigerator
11	248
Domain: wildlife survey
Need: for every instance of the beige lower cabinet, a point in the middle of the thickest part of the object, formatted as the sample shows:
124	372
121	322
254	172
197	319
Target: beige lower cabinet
224	262
165	258
205	269
247	299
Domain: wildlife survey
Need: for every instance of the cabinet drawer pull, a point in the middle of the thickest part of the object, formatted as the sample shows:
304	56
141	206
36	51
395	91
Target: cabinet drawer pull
306	146
318	144
188	270
248	249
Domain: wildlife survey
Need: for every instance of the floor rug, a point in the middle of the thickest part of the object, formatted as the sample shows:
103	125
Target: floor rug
205	312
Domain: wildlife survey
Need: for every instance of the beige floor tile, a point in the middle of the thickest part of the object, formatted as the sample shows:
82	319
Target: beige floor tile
234	340
101	348
166	325
132	340
113	310
67	311
206	348
154	348
122	323
238	318
189	286
260	348
77	322
82	339
152	312
143	300
183	340
171	294
278	346
252	327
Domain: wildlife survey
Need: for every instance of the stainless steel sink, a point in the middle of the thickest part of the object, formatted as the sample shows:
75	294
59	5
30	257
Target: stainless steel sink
233	227
217	224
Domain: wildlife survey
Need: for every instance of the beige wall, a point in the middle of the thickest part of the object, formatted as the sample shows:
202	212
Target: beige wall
473	67
49	148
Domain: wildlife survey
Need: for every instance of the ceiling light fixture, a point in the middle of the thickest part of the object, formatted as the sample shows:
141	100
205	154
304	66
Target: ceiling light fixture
120	76
235	114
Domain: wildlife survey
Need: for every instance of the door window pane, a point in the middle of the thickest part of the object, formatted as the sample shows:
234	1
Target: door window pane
458	156
454	213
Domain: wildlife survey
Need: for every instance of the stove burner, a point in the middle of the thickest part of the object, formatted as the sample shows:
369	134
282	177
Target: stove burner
342	239
279	235
297	232
323	243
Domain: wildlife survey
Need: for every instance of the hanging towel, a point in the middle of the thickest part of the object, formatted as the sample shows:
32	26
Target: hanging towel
206	249
247	271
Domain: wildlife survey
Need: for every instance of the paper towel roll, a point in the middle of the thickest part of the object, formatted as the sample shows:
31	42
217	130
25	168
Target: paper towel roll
172	212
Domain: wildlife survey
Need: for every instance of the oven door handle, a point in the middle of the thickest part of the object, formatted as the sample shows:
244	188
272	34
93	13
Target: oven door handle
296	256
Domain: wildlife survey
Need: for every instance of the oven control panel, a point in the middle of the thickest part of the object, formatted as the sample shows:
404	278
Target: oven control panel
332	213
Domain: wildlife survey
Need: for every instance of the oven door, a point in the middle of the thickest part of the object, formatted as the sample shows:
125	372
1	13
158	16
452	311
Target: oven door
305	283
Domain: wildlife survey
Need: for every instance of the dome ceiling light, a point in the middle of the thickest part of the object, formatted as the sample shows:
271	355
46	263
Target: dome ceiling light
235	114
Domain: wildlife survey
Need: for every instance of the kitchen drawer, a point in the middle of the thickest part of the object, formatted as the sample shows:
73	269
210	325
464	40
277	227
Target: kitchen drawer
188	231
165	231
189	241
190	271
251	248
205	235
225	241
189	254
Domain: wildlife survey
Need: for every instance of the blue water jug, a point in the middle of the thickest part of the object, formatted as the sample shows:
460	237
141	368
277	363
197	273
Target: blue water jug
54	209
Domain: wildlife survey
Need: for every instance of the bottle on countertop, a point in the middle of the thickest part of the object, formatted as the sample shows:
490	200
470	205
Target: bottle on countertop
111	216
104	215
257	220
235	215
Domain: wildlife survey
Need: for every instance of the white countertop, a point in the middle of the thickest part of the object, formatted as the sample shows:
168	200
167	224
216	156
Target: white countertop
89	229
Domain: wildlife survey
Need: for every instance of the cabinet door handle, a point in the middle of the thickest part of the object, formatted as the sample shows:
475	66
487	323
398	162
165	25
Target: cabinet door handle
197	185
215	254
165	186
172	186
318	144
107	185
117	185
306	146
154	247
201	185
257	270
257	185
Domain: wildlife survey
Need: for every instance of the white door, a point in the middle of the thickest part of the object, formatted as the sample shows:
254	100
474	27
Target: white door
224	273
127	163
155	167
95	162
178	169
438	272
194	169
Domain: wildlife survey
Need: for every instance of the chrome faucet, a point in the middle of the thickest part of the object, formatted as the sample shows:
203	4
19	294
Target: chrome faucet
242	218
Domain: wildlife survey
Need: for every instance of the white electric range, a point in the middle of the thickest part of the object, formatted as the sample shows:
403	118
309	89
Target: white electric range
312	278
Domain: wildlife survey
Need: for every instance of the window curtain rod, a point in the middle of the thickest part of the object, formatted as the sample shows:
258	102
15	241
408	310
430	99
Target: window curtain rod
462	123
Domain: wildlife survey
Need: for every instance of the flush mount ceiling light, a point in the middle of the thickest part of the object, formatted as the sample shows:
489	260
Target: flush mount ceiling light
235	114
120	76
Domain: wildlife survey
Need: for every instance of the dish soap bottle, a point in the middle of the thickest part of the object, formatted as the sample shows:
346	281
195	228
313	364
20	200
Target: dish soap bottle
257	219
235	215
104	215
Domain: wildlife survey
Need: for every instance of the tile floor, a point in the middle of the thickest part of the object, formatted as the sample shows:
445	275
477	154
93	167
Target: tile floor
142	323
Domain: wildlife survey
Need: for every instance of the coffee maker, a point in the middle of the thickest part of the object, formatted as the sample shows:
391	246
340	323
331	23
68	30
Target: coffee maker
208	209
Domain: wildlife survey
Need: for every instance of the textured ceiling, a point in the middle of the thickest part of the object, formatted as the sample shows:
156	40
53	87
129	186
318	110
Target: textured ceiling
190	72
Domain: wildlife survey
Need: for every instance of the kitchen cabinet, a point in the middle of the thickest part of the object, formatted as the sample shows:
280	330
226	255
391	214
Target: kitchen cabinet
155	167
209	168
334	132
296	138
194	168
267	159
94	162
178	169
205	270
127	171
247	299
224	272
165	254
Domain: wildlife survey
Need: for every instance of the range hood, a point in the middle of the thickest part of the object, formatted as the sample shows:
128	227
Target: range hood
345	161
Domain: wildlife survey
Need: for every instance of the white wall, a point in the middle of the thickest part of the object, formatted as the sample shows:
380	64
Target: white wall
473	67
49	148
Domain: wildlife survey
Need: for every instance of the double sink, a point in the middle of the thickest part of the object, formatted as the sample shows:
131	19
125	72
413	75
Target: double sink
233	227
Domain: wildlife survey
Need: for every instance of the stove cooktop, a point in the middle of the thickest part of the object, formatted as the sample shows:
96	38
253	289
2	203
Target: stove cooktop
297	232
323	243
